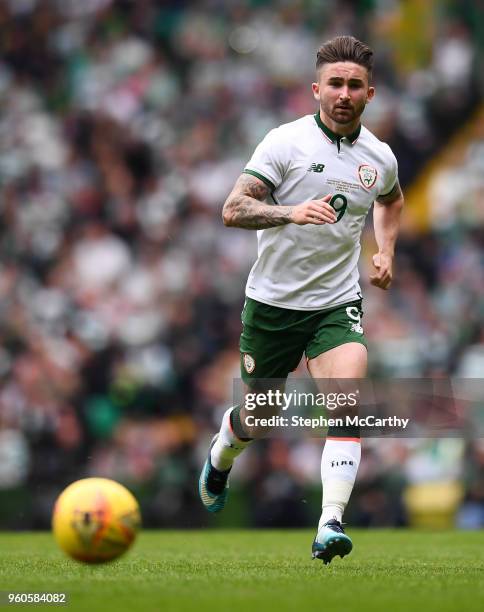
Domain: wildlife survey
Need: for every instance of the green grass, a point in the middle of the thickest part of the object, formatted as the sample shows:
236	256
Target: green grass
258	570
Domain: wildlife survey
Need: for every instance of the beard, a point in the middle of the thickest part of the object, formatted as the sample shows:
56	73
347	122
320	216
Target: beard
344	113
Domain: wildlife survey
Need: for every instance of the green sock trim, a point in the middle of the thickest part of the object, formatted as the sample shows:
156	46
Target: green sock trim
237	426
351	431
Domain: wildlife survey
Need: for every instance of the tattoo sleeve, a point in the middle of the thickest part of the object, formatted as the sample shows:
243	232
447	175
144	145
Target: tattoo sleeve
245	206
391	196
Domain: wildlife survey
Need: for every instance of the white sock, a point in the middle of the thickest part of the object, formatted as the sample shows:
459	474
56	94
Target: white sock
339	465
227	447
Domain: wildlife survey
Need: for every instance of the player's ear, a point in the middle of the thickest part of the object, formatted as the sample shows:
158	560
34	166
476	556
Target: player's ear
370	94
315	88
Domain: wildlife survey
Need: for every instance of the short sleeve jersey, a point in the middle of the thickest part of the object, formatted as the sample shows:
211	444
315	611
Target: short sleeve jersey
313	267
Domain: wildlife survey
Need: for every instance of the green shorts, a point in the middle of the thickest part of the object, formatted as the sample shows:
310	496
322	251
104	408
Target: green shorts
274	339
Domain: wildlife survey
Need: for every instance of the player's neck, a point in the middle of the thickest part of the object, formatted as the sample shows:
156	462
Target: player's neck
339	129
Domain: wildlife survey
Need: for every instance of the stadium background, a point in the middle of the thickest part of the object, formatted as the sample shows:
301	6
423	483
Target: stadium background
122	128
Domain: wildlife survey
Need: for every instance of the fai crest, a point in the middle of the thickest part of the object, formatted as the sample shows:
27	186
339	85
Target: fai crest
367	175
249	363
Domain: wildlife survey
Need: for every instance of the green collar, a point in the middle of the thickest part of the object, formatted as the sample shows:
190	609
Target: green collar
352	138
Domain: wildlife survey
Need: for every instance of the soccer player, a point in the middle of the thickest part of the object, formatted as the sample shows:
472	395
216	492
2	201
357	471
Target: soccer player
307	190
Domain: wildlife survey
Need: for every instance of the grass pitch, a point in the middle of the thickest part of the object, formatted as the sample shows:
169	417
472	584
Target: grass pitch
257	570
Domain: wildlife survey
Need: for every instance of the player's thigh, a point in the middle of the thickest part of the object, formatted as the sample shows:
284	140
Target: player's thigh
270	344
348	360
337	348
338	371
266	358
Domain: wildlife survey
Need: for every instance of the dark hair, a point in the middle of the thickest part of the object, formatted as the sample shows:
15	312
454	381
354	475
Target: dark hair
345	49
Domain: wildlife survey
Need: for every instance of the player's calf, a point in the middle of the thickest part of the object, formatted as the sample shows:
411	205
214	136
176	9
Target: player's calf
213	484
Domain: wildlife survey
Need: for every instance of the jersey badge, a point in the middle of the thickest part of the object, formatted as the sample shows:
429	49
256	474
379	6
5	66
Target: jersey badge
367	175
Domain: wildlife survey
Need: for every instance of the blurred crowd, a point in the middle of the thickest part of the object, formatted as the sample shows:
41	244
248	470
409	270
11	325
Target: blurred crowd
123	126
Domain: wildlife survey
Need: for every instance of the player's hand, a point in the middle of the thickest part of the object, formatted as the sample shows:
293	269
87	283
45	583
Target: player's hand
317	212
383	277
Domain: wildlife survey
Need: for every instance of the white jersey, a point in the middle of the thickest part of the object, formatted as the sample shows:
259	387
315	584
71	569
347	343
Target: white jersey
312	267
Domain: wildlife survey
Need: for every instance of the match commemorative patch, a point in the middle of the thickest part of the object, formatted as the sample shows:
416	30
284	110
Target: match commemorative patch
249	363
367	175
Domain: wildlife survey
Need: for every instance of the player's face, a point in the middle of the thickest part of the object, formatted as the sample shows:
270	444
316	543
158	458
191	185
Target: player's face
343	91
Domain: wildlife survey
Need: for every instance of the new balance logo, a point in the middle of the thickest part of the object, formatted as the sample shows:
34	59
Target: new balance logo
316	168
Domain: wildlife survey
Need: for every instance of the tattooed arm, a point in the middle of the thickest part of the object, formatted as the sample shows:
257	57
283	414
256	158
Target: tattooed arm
245	207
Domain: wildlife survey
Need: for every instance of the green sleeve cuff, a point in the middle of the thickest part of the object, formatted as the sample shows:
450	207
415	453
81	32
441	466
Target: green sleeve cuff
383	195
261	177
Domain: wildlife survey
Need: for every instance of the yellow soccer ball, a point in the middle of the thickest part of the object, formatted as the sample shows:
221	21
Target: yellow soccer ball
95	520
